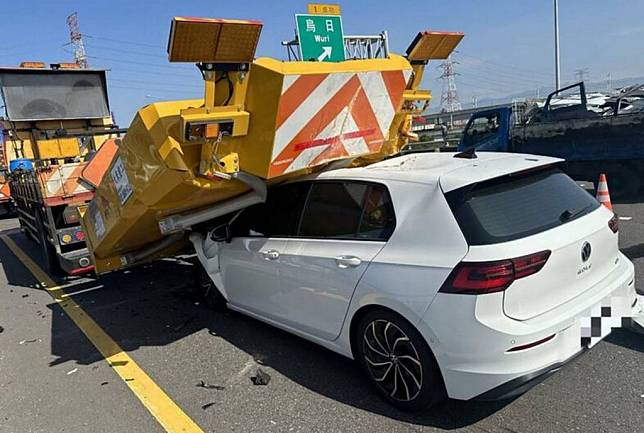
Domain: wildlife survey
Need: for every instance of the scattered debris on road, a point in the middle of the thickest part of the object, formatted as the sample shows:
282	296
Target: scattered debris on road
72	371
29	341
207	405
104	383
203	384
1	329
261	377
625	218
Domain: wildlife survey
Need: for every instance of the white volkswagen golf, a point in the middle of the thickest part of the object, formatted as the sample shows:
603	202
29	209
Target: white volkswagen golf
441	275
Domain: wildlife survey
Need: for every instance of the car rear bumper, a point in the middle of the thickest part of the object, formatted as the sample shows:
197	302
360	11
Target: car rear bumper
521	384
471	337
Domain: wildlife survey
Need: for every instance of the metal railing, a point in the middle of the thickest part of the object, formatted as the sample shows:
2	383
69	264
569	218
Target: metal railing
355	47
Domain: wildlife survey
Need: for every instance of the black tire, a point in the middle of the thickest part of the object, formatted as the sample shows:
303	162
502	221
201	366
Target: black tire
406	360
208	291
49	258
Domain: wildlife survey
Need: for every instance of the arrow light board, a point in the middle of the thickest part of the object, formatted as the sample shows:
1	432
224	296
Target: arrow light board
320	37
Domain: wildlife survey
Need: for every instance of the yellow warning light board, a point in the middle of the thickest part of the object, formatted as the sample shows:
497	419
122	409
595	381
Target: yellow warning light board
213	40
430	45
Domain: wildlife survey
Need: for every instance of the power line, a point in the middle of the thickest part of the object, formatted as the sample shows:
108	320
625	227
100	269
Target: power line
120	50
132	62
524	71
119	41
124	80
152	89
121	70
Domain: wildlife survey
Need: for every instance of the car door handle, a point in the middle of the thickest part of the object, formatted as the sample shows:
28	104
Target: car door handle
271	254
348	261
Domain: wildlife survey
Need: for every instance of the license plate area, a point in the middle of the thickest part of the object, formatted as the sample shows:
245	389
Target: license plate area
598	322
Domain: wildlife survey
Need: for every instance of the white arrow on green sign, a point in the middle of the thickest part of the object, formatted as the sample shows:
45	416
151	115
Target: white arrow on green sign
320	37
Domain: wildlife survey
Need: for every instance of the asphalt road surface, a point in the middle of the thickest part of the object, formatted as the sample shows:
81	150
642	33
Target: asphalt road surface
53	379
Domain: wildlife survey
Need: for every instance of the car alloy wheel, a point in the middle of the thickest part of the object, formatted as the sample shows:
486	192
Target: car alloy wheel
392	360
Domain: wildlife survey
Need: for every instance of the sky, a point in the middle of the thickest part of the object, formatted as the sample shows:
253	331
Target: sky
508	44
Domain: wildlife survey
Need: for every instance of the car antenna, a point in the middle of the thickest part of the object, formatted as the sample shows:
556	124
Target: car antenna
468	153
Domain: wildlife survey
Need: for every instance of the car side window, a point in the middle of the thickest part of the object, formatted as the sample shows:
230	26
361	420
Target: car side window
277	217
333	210
347	210
378	219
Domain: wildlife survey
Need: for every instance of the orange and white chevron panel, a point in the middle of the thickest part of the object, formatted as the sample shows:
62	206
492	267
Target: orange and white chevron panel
4	192
62	180
323	117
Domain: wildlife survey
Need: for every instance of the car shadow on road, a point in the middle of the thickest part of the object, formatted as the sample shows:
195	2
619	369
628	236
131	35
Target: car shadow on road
634	251
153	305
628	339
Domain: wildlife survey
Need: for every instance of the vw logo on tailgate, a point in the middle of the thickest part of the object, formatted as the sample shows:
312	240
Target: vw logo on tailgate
585	251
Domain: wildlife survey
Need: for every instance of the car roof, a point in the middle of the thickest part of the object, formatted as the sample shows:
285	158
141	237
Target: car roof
451	172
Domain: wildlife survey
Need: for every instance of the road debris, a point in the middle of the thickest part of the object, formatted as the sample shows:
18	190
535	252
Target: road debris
29	341
72	371
25	295
261	377
203	384
104	383
1	329
625	218
207	405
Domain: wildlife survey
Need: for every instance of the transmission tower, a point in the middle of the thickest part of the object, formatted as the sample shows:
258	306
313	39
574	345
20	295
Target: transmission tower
449	97
580	73
77	41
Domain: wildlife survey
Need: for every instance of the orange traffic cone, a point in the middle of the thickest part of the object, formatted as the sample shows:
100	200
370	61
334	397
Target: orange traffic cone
603	196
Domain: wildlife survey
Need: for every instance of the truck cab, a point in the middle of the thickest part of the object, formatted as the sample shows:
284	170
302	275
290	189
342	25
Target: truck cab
488	130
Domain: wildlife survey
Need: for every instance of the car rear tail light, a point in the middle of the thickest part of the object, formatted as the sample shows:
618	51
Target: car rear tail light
477	278
531	264
613	224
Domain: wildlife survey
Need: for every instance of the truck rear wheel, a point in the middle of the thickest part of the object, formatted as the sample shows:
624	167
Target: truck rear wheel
48	254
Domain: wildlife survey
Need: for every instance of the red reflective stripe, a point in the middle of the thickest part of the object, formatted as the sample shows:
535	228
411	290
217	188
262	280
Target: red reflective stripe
330	140
533	344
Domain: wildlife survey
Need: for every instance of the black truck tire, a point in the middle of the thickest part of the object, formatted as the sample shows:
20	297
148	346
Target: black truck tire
48	256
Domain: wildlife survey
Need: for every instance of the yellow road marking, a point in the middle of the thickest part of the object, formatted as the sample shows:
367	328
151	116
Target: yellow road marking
162	408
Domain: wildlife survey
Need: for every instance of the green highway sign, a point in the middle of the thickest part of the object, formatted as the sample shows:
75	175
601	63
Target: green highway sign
320	37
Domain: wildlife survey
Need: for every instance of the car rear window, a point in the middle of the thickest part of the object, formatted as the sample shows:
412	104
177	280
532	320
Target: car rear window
516	206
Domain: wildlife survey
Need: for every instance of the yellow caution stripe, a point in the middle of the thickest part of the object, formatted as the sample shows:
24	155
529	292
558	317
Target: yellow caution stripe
155	400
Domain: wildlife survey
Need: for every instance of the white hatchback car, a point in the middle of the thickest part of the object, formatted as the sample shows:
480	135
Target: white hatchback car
441	275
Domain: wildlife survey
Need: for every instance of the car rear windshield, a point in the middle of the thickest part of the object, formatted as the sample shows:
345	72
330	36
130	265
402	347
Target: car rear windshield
520	205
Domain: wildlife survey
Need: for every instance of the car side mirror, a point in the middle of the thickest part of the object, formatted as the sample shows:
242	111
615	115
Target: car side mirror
221	233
